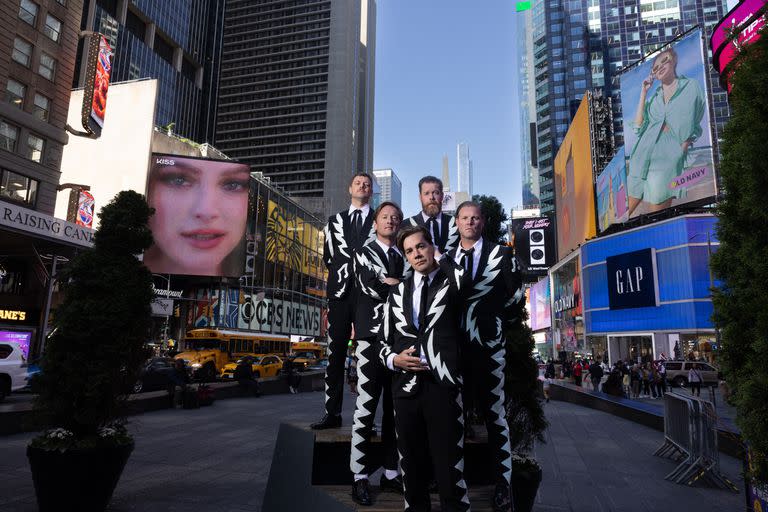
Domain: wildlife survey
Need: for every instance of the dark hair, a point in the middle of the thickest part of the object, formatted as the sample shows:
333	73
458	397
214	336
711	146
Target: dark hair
387	203
430	179
364	175
467	204
411	230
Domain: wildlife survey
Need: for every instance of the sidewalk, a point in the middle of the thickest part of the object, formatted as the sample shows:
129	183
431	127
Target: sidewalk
217	459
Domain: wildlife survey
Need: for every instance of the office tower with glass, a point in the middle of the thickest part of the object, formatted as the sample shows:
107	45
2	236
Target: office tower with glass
391	187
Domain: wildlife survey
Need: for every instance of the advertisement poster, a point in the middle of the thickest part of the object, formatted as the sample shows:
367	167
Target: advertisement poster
742	26
85	204
279	316
101	84
612	207
567	311
201	212
21	337
534	242
290	240
541	316
574	190
667	134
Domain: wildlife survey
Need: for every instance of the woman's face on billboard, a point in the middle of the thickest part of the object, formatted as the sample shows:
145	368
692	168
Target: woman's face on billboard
201	209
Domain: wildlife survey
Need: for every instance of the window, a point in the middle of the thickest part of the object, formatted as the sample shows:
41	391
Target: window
52	27
22	52
15	93
9	134
17	187
35	148
47	66
28	11
42	107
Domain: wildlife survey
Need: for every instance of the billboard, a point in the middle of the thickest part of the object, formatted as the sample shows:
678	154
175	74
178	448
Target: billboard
534	242
740	27
288	238
201	213
611	190
574	190
539	299
567	309
98	70
85	204
667	134
22	338
632	279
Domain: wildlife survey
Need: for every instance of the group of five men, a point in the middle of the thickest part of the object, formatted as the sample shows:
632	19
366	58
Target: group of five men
429	299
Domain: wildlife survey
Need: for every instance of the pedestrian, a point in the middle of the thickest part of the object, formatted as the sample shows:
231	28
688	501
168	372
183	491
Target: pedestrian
595	375
378	266
245	378
653	381
178	379
345	234
662	378
635	378
420	339
626	383
695	380
496	296
291	375
577	373
549	373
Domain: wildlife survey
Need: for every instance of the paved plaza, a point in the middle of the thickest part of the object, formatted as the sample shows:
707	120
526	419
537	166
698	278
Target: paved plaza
217	459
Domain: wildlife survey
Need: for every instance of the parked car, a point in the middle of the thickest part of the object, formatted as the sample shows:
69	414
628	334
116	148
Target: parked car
13	368
677	372
321	364
155	375
263	366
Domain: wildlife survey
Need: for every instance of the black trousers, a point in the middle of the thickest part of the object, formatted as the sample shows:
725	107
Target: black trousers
373	380
484	378
341	314
430	428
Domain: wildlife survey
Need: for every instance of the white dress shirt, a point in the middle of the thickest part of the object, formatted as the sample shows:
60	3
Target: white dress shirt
475	256
438	221
364	211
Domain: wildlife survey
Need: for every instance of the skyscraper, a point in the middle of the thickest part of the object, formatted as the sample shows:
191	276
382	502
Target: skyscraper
391	187
580	45
176	41
296	94
446	174
528	163
464	168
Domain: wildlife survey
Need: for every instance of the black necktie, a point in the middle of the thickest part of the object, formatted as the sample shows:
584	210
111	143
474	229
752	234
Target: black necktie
467	260
423	303
432	226
392	261
357	223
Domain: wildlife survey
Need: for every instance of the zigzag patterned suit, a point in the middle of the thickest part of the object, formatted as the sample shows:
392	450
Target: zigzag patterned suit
496	296
429	419
371	266
449	234
339	249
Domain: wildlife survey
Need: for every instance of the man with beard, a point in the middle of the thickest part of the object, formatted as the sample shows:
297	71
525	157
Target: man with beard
495	296
441	227
345	234
378	266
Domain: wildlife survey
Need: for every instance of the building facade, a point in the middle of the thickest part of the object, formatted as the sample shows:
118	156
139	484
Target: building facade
296	94
464	169
582	45
391	187
178	42
527	101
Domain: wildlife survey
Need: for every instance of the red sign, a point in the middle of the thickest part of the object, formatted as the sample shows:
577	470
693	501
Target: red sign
101	83
85	205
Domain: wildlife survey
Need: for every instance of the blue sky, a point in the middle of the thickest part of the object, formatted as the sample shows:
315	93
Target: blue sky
446	72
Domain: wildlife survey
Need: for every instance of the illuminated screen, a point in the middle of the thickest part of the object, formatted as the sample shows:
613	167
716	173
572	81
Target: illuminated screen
611	189
101	83
201	212
667	134
22	338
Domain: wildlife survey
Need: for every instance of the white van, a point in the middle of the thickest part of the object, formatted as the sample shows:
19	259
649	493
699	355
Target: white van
13	368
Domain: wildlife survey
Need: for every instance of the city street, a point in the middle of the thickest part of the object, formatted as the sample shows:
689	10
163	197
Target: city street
217	459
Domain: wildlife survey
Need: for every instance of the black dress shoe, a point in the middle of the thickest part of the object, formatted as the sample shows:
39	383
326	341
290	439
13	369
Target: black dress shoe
328	421
501	500
395	484
361	494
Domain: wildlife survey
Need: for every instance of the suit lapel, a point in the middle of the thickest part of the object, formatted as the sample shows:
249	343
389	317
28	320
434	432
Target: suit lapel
445	222
408	302
368	229
483	261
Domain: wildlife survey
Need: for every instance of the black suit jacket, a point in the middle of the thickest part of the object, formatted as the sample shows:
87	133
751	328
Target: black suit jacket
496	295
438	340
339	250
449	234
371	267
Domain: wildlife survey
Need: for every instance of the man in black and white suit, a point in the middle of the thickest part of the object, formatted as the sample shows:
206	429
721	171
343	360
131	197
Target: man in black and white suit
496	296
345	234
441	227
420	339
378	267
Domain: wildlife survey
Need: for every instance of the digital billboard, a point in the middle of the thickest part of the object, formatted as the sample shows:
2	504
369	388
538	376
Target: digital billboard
574	190
23	338
98	70
567	308
741	26
288	238
534	242
611	190
85	205
539	298
667	134
201	212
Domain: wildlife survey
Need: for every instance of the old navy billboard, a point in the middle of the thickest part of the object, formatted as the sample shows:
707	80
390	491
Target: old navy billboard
667	134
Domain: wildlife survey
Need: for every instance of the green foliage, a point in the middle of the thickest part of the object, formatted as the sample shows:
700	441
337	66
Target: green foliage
741	262
525	413
92	360
495	218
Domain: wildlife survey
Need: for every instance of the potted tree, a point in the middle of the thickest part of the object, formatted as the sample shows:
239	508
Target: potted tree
525	413
91	363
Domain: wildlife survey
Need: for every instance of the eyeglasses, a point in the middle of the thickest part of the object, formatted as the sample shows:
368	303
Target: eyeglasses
661	62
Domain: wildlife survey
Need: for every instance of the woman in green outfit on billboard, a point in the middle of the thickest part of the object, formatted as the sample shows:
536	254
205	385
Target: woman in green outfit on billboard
666	126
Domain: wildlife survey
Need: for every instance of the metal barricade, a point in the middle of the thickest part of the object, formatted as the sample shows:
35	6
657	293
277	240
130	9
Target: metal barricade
690	437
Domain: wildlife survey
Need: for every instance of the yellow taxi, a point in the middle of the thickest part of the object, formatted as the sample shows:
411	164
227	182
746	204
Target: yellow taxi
263	366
